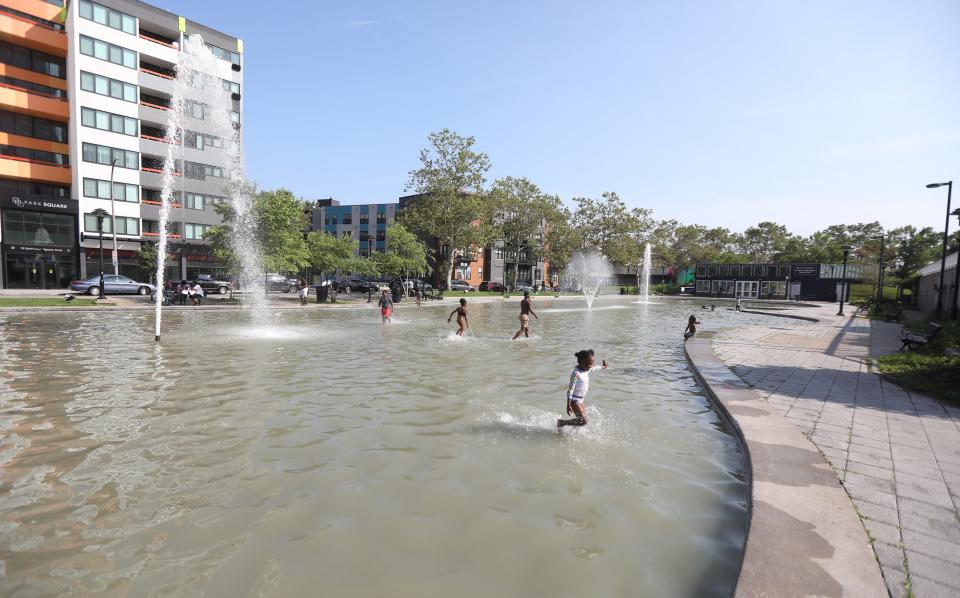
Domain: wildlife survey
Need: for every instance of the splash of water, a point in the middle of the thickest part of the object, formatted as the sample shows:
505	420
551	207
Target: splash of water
645	281
589	271
196	84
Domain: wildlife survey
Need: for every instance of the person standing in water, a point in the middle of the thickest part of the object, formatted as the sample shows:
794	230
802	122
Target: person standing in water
691	327
578	387
461	317
386	306
738	302
526	309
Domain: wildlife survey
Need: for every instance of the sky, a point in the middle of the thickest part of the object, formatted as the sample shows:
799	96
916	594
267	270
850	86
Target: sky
715	112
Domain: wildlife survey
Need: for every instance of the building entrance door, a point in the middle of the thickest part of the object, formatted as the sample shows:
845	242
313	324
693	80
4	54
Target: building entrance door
748	289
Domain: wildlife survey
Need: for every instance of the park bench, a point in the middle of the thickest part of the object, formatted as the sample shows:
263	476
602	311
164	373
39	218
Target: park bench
911	339
891	316
434	294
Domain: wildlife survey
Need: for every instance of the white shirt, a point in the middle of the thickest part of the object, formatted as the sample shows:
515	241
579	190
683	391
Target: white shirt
579	383
198	290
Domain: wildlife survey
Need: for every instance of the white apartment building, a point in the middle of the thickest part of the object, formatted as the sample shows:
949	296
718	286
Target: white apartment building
120	66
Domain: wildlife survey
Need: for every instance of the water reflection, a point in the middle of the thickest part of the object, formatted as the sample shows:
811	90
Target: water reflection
229	458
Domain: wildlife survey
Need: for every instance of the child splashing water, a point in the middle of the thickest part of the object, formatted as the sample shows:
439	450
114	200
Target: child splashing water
461	316
579	385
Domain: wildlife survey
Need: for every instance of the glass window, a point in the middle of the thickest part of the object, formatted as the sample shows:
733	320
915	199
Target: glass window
89	188
101	50
108	16
129	25
103	189
102	120
86	9
110	52
86	45
86	81
100	14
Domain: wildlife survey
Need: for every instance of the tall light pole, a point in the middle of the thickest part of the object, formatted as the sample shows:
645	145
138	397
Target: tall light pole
100	213
956	271
946	230
843	280
369	239
113	220
880	272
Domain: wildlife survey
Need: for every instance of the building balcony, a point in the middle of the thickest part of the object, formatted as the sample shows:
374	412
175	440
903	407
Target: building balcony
33	103
155	80
20	168
23	31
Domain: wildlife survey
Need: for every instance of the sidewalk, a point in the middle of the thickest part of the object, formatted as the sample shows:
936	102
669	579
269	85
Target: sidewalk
896	453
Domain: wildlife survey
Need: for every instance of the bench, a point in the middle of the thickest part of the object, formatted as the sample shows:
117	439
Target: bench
890	316
433	294
912	340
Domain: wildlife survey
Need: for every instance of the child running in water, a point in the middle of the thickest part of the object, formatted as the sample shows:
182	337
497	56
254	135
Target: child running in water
386	306
461	317
526	309
579	385
691	327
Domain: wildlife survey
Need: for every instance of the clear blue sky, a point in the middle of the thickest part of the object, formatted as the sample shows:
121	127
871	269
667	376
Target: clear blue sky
723	113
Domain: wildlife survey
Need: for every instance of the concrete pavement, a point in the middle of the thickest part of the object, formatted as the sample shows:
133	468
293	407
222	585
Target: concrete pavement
897	453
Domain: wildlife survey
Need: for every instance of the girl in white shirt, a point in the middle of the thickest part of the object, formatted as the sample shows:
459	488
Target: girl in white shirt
578	387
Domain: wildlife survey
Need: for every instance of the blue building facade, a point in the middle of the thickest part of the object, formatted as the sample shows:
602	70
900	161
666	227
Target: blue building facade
366	223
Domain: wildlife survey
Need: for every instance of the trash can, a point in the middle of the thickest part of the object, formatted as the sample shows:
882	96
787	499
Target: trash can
396	294
323	293
623	291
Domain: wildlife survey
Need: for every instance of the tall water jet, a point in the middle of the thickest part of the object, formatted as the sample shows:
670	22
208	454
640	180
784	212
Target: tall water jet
198	89
645	281
589	271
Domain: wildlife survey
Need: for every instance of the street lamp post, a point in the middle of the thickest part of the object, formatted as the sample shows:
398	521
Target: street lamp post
113	220
843	279
956	272
880	272
369	255
100	213
946	230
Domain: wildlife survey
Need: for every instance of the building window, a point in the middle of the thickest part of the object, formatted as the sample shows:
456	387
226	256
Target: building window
364	218
703	286
381	217
101	154
784	271
200	141
712	271
108	16
231	86
746	271
701	271
106	86
193	170
34	87
480	273
195	231
381	235
100	189
36	228
499	254
33	60
109	52
125	226
33	188
224	54
326	220
33	155
106	121
723	271
30	126
333	219
194	201
347	219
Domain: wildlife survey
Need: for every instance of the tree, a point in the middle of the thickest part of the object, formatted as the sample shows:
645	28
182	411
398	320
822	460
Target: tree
521	213
762	242
453	208
405	255
562	240
276	224
147	259
911	249
629	248
601	223
330	254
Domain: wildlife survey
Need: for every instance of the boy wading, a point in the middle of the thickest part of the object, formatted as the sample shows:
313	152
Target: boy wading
526	309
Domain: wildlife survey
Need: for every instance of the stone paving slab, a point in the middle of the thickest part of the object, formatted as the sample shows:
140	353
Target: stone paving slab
897	453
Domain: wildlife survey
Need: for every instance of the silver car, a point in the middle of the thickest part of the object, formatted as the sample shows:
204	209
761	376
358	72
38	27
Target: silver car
114	284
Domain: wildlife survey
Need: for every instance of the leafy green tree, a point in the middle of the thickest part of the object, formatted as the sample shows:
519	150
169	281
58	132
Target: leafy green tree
762	242
521	214
629	247
329	254
277	224
453	208
405	255
911	249
603	223
147	259
562	240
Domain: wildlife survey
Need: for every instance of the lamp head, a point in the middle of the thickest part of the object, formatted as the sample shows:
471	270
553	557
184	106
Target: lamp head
935	185
956	213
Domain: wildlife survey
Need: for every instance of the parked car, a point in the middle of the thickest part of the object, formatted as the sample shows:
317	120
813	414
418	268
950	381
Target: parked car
461	285
115	285
524	287
209	284
489	285
277	282
355	285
